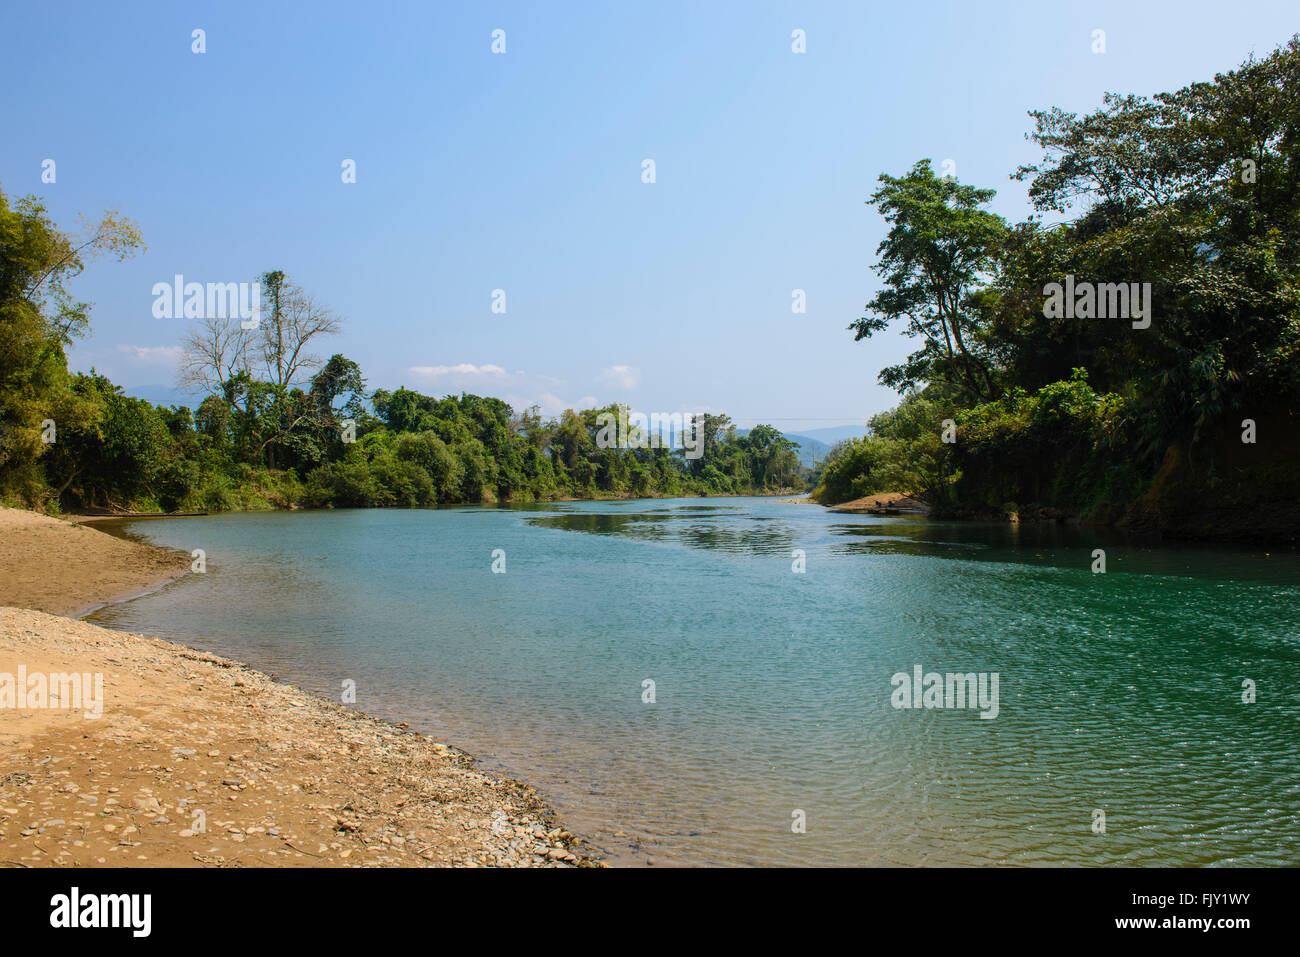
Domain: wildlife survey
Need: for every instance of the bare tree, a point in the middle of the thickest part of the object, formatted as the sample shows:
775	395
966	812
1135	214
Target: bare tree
213	351
287	328
216	349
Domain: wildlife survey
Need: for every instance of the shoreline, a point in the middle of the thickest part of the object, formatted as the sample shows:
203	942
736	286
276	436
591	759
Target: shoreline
86	518
63	568
200	760
85	611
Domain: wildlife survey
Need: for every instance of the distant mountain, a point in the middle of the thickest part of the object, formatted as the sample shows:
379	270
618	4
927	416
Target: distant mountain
161	395
810	450
836	433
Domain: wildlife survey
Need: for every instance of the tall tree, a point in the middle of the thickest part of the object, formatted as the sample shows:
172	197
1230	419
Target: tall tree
941	243
288	328
39	318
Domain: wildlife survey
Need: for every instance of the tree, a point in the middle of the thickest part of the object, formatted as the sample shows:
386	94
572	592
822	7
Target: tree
273	420
291	320
1194	191
940	244
288	328
212	352
39	317
339	377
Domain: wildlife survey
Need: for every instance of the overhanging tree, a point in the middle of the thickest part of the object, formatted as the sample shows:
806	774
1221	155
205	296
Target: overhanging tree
941	244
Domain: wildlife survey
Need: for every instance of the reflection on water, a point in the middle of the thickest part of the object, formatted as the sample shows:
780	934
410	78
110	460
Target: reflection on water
1120	691
725	529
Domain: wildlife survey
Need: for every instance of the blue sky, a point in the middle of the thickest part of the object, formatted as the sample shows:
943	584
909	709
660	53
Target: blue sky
522	172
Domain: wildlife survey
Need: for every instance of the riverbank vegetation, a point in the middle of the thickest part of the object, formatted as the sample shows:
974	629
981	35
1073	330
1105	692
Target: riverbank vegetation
278	428
1171	405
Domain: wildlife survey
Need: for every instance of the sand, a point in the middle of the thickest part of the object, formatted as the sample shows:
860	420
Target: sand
899	500
195	760
67	569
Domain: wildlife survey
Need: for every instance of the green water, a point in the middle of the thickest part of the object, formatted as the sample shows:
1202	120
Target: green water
1118	692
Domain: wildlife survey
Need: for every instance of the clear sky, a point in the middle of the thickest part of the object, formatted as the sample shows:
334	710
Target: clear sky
522	171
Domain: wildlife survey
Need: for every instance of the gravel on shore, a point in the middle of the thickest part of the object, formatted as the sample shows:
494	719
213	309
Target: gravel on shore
188	759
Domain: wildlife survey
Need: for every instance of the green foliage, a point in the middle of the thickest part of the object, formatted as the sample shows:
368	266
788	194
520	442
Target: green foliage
263	442
903	451
1196	192
38	318
851	471
1053	447
940	244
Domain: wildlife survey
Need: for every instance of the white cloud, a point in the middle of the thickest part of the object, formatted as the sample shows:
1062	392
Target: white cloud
464	368
152	355
521	390
625	377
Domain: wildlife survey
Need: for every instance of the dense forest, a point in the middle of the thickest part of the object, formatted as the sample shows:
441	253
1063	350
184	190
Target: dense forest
1051	380
279	428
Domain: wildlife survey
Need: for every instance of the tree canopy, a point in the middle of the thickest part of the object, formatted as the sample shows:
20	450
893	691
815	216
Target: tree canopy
1194	192
280	426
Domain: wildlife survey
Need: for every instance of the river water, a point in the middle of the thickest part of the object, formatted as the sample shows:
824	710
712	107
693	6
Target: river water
1120	733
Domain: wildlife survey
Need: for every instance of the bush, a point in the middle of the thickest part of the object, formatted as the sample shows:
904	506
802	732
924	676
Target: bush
345	484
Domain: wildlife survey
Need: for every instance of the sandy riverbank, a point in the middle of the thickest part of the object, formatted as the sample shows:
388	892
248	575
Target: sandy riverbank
66	569
897	500
200	761
893	500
